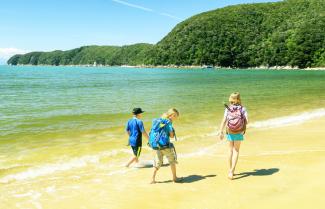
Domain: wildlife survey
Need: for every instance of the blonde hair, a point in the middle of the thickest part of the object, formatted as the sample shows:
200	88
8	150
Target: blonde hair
234	98
170	112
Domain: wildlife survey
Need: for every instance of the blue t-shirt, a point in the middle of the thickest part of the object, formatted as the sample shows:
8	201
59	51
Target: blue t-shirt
135	127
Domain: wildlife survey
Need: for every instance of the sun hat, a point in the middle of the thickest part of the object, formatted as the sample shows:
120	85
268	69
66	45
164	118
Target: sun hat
137	110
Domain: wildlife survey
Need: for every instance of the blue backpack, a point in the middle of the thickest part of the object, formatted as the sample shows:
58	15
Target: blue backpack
159	135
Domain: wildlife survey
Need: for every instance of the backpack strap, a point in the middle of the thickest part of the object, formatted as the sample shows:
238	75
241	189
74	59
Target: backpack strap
244	117
155	123
228	108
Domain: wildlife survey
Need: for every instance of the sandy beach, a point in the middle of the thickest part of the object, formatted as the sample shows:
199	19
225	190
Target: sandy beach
277	168
58	154
85	86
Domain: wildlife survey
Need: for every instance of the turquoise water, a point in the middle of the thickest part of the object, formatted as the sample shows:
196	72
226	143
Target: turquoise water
56	100
30	94
54	113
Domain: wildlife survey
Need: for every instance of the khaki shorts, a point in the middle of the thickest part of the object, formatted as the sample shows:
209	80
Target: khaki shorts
159	154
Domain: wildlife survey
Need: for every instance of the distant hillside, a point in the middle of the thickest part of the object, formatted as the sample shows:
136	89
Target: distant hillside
105	55
291	33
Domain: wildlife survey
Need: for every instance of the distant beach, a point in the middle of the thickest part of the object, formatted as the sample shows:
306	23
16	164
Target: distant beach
189	67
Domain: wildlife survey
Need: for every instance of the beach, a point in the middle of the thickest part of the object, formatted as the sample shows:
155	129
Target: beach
90	92
278	167
63	141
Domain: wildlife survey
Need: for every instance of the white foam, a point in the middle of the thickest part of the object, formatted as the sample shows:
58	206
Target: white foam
185	137
94	159
59	167
33	196
50	189
288	152
28	194
13	166
289	120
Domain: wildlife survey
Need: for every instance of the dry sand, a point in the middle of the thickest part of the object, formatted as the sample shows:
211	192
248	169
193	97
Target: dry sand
277	168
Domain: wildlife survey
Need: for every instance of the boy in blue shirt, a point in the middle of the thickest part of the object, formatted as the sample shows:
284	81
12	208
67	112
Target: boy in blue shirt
135	129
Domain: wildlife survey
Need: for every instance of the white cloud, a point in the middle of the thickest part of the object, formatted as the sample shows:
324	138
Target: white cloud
6	53
133	5
147	9
171	16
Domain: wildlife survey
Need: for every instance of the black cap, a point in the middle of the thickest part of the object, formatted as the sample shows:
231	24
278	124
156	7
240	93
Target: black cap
137	110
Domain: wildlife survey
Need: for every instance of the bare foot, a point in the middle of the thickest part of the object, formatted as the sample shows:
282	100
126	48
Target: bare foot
178	180
230	175
153	182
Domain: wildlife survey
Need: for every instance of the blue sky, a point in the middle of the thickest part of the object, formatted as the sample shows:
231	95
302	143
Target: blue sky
45	25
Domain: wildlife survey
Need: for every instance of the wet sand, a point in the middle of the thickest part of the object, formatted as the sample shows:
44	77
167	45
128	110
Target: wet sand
277	168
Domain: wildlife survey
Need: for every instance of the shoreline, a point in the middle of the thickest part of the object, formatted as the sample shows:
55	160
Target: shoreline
272	167
183	67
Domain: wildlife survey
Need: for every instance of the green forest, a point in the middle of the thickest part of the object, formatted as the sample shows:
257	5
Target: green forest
286	33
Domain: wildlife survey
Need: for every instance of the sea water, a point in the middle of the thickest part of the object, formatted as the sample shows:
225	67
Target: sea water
59	124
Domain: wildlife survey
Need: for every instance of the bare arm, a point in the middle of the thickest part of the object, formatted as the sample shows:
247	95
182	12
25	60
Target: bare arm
145	134
246	120
246	115
171	134
222	126
143	131
128	133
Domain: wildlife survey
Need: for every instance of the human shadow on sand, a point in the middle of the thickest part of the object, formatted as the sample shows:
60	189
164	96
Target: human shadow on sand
189	179
149	165
257	172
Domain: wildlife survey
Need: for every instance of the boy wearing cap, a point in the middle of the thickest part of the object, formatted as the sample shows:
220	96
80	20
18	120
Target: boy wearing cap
135	129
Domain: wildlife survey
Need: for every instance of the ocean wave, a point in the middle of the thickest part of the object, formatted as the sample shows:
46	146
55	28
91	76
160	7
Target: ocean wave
43	170
288	152
60	166
288	120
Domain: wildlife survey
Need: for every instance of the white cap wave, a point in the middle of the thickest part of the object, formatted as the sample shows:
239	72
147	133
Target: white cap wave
289	120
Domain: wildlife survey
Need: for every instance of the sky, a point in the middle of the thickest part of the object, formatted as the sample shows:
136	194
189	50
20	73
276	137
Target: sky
47	25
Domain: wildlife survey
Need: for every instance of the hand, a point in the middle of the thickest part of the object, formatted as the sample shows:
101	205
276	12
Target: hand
220	135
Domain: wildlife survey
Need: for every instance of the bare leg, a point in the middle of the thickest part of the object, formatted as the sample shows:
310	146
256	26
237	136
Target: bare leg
158	157
134	159
231	147
235	156
154	175
173	168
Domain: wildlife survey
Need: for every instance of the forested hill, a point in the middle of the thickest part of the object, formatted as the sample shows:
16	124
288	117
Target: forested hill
105	55
286	33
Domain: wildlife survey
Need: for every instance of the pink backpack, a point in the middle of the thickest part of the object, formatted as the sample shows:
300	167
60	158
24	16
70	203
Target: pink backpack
236	120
